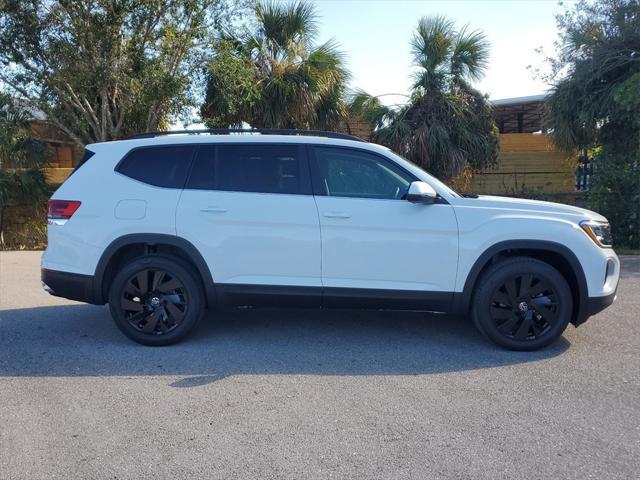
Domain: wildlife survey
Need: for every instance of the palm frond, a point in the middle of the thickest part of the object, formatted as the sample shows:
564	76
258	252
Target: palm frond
368	107
470	55
431	43
326	68
286	26
424	80
294	84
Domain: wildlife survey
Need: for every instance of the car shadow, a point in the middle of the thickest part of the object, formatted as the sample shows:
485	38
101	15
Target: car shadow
82	340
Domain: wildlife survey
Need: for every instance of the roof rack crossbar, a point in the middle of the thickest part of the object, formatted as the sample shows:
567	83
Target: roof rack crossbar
262	131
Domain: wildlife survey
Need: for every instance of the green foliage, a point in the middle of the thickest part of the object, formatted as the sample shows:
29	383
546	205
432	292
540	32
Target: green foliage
25	228
23	187
22	180
445	55
103	69
615	191
594	105
626	95
448	125
273	74
18	149
232	89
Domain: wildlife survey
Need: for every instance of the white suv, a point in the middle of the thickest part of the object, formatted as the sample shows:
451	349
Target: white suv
162	226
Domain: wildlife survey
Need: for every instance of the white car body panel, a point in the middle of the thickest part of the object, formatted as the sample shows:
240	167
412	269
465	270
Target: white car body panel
387	244
275	239
253	238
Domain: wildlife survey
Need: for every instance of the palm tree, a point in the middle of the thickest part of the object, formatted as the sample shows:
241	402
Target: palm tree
292	82
447	125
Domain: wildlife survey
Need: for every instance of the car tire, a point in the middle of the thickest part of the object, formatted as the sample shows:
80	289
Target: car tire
156	300
522	303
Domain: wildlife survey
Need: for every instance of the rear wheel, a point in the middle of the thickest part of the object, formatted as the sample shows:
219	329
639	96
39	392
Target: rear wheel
156	300
522	303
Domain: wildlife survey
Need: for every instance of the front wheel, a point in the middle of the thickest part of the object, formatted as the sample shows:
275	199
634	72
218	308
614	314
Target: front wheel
522	303
156	300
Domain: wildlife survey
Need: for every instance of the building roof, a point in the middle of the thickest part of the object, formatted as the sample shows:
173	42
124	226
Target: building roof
520	114
518	100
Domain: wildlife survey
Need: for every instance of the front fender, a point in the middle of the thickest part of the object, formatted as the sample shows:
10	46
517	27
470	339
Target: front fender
480	241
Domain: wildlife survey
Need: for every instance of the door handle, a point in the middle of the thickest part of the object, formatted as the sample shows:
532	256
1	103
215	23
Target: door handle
213	210
337	215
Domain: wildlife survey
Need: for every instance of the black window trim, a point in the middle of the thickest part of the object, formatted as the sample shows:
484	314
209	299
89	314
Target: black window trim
303	161
188	166
86	156
315	174
309	176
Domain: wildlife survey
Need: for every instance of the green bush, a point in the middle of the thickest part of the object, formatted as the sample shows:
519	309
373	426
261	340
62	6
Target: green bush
594	105
615	192
22	159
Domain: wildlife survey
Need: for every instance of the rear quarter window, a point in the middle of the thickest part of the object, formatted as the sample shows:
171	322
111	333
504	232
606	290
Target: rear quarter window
85	157
159	166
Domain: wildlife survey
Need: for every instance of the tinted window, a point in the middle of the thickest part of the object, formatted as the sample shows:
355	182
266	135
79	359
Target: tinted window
341	172
85	157
257	168
159	166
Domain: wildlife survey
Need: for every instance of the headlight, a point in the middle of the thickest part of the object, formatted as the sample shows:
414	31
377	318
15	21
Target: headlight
599	232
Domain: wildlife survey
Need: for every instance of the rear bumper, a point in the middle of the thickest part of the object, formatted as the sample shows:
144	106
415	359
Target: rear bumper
73	286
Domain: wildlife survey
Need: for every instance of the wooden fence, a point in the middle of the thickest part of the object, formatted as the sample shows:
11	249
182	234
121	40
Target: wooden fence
528	163
57	175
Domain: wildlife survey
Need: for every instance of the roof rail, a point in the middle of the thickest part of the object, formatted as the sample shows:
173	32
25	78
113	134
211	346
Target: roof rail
262	131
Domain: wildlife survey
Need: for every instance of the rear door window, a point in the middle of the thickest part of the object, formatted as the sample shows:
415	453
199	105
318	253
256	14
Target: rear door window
258	168
162	166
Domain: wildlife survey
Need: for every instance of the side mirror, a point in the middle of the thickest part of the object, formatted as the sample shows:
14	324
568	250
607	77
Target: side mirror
421	192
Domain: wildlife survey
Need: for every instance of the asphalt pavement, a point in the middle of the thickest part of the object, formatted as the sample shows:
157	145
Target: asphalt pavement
311	394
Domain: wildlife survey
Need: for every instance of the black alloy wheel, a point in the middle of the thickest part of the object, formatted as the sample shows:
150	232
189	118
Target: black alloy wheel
522	303
525	306
156	299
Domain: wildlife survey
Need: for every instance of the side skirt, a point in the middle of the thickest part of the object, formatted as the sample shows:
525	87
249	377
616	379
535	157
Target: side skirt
240	295
332	297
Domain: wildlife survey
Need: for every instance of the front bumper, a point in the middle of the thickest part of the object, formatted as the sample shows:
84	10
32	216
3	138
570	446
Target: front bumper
602	276
597	304
591	306
73	286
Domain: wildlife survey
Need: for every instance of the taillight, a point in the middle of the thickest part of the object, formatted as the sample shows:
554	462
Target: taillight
59	211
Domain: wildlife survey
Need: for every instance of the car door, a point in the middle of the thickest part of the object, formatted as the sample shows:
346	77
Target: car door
376	245
248	208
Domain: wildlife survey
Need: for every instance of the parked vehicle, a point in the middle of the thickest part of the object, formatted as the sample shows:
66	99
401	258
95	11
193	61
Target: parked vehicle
163	226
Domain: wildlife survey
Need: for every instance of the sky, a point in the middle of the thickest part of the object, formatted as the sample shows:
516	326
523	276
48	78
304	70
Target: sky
375	35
